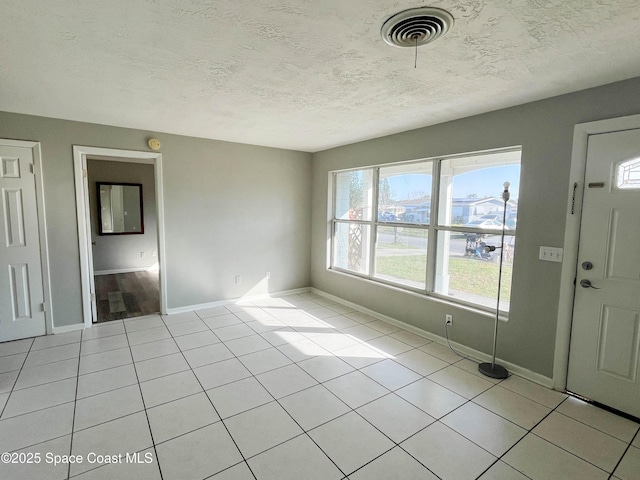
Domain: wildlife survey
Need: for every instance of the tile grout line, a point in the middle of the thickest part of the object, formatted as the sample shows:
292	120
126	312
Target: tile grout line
46	382
592	427
252	375
144	406
574	454
276	400
629	446
530	432
243	322
16	380
39	410
75	404
352	410
214	409
436	420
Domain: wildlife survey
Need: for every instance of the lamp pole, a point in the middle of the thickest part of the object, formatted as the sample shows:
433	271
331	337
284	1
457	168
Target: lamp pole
492	369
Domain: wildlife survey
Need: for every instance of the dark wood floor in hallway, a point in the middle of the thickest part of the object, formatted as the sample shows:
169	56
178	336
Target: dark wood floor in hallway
126	295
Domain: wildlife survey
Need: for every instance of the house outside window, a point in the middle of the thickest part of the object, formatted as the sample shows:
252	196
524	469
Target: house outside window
424	225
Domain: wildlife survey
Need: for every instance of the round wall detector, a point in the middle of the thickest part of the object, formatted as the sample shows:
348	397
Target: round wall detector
154	144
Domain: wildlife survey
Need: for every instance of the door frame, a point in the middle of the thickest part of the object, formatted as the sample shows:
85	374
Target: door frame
42	225
581	134
80	154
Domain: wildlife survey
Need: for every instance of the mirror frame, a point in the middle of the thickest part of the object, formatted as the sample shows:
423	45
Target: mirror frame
99	206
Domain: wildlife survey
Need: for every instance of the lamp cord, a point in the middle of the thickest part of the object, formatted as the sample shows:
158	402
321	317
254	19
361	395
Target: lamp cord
446	333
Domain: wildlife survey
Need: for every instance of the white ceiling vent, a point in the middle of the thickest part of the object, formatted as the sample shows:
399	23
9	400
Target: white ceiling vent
416	26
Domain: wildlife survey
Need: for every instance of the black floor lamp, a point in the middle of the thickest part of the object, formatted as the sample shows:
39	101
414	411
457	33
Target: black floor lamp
492	369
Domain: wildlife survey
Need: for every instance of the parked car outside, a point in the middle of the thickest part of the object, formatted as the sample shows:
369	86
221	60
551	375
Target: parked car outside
386	217
483	224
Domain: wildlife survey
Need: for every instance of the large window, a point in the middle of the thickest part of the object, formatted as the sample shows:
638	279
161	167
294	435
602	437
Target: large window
426	225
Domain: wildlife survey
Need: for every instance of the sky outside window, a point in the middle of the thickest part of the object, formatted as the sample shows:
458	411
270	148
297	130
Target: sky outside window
484	182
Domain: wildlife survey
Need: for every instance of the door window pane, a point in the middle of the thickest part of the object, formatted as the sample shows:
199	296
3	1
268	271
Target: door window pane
401	256
465	270
351	247
471	190
404	193
629	174
354	195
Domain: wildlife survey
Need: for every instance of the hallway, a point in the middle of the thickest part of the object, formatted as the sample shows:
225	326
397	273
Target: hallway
127	295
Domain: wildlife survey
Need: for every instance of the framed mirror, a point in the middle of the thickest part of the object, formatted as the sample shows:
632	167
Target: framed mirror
120	208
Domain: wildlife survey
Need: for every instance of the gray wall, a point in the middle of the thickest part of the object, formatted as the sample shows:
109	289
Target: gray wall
545	131
233	209
121	252
230	209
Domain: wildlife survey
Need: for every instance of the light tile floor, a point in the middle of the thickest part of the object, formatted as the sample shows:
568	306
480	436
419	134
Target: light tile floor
295	387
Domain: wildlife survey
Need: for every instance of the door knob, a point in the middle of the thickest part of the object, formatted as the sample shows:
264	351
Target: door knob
587	284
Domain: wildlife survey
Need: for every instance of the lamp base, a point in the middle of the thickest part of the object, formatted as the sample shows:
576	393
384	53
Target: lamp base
493	370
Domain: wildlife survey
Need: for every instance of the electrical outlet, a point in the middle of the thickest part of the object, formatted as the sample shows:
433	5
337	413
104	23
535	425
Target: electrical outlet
238	280
141	254
448	319
267	275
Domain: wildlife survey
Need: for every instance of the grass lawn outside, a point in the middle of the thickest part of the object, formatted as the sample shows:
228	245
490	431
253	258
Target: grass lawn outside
469	275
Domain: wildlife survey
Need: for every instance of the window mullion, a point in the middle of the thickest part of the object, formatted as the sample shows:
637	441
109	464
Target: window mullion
432	238
374	222
332	206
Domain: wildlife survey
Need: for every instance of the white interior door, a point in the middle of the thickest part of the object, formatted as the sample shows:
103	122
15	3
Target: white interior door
604	358
21	285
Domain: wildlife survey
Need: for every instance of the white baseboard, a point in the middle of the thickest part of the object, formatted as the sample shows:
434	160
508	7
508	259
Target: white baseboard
469	352
122	270
220	303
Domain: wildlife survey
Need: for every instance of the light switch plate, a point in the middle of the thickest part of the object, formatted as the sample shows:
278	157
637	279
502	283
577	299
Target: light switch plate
551	254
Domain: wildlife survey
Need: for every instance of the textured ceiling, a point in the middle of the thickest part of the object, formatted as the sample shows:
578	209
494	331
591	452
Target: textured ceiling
303	75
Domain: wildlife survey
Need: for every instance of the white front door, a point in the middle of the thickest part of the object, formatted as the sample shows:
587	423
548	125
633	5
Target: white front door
604	360
21	285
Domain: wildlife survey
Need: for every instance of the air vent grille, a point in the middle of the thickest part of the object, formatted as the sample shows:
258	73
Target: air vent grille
416	26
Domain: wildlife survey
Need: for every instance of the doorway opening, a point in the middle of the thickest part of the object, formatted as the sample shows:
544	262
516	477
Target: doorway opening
120	226
124	239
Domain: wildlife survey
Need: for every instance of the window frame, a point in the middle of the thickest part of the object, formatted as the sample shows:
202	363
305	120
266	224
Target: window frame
432	228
